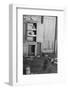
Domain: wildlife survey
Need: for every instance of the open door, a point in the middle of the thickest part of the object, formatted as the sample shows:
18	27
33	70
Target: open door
31	50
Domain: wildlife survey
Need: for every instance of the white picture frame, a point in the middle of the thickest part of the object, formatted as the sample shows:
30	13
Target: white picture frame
15	52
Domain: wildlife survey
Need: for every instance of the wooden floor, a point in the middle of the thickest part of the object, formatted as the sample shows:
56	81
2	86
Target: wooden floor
39	65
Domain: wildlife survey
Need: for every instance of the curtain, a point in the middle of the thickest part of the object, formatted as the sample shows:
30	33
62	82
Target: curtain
49	33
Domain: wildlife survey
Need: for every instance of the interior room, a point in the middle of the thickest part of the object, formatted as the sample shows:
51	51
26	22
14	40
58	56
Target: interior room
39	44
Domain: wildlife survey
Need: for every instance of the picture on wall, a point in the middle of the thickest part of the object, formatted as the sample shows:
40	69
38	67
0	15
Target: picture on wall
36	45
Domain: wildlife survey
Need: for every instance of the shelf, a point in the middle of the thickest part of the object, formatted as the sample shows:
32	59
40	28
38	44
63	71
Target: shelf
31	29
31	33
33	39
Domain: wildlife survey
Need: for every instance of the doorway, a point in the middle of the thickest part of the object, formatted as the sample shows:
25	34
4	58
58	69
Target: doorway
31	50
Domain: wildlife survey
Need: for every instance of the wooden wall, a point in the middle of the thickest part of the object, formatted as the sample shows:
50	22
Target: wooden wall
45	33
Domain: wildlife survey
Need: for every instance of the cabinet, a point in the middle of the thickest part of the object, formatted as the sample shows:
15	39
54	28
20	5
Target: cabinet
30	44
31	31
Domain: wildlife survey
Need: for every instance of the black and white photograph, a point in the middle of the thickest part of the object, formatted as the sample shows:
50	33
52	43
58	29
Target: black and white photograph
37	45
34	44
40	44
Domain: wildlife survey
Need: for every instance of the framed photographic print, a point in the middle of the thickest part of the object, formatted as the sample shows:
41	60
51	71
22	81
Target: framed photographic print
35	45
